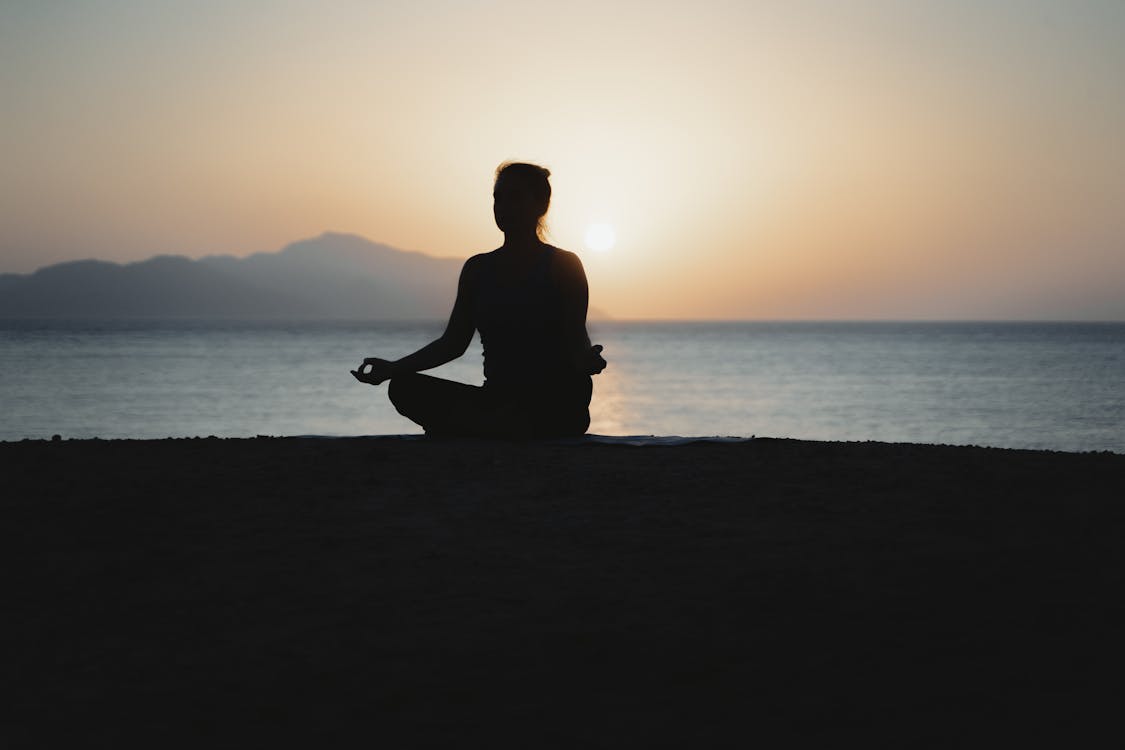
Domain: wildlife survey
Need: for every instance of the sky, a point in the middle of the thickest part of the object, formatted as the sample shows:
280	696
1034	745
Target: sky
789	160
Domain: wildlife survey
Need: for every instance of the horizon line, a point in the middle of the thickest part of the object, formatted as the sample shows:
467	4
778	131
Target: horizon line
593	321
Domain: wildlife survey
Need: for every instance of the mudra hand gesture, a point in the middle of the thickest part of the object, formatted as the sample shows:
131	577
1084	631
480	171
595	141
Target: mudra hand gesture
381	369
592	363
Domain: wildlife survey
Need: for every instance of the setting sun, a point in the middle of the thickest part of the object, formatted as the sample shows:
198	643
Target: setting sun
824	161
601	237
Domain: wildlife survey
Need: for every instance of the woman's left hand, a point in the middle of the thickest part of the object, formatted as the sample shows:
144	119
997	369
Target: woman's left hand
380	370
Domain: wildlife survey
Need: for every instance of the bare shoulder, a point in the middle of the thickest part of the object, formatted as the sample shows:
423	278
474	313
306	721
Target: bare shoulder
476	260
473	263
565	260
565	254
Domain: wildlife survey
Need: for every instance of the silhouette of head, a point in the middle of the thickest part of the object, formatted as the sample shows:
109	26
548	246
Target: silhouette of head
520	197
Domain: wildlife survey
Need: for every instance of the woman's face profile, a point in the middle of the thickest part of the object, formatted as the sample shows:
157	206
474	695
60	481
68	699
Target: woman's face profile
513	205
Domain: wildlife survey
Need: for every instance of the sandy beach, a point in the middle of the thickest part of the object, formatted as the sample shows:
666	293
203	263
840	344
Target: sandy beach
422	593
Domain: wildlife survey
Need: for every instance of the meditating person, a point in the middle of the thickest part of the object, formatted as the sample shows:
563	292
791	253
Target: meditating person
528	299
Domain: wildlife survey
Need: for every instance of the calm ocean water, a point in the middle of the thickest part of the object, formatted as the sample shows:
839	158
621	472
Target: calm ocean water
1020	385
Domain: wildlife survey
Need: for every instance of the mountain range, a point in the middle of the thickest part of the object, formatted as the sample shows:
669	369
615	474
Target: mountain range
330	276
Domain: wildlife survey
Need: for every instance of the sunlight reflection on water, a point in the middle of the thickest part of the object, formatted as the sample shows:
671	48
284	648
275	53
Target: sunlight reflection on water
1013	385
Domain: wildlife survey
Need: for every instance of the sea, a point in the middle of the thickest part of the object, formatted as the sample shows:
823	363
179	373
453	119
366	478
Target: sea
1055	386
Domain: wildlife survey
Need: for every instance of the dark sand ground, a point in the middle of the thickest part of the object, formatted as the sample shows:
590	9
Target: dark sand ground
413	593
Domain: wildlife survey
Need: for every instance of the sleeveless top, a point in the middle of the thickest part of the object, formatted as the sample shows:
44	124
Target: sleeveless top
521	327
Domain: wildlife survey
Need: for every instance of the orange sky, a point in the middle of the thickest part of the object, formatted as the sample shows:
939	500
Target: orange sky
793	160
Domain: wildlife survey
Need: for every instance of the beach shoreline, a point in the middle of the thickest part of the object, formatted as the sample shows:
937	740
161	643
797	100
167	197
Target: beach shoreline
563	595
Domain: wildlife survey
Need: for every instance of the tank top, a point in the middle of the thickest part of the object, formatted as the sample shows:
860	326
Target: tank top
521	327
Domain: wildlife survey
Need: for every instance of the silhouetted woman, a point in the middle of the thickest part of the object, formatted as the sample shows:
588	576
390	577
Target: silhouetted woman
528	300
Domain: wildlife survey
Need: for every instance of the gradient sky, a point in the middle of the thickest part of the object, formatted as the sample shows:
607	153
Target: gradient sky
757	160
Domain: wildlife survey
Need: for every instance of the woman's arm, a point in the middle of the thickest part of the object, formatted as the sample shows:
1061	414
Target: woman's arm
449	346
575	300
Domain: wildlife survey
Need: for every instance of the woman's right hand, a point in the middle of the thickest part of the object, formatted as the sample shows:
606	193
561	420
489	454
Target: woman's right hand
593	362
380	370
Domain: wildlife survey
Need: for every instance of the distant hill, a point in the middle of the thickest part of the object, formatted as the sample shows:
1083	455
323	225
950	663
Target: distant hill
331	276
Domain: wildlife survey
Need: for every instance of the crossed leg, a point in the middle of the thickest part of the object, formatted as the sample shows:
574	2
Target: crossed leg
440	407
445	408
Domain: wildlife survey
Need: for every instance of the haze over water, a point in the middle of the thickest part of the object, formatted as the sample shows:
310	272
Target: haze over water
1025	385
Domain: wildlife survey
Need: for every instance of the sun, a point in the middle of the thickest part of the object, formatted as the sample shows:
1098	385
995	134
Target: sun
600	237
